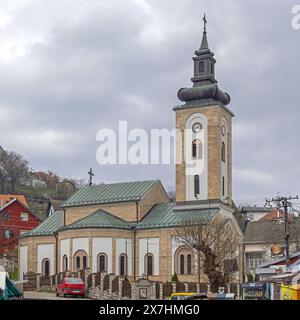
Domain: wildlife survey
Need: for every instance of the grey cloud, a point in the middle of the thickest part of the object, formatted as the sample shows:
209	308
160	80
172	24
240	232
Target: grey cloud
89	64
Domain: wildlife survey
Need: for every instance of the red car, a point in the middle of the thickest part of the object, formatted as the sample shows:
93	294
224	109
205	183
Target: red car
71	286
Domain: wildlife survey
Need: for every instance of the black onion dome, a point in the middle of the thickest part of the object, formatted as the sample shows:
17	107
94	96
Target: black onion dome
211	91
205	89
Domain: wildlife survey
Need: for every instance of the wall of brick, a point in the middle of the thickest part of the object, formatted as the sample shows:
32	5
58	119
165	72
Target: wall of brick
125	210
31	243
214	115
165	250
155	196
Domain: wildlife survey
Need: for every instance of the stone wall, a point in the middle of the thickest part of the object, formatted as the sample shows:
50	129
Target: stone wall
103	286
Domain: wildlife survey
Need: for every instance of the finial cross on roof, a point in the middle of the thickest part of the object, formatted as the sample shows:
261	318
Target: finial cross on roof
205	22
91	174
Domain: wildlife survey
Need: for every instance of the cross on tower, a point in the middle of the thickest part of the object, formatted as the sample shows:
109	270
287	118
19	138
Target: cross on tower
205	22
91	174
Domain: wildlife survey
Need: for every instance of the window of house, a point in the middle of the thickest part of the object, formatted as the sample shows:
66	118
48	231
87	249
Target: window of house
4	216
197	150
181	264
189	264
46	267
24	216
84	262
201	67
223	152
123	265
255	259
196	185
7	234
184	260
102	263
149	264
78	262
65	263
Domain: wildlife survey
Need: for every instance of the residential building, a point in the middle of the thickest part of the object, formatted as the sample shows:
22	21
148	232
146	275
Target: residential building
265	240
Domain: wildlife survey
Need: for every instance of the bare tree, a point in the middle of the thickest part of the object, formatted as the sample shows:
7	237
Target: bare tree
2	181
218	245
14	168
2	172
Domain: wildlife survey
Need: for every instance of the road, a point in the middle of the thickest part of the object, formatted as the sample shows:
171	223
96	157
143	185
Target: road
34	295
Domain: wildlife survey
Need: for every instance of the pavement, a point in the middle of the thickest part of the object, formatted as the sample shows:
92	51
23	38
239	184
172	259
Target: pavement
34	295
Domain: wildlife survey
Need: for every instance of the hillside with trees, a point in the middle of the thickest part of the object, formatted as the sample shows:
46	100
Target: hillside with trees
40	188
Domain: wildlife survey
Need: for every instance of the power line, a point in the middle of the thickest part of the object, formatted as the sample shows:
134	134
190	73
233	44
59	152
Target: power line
285	203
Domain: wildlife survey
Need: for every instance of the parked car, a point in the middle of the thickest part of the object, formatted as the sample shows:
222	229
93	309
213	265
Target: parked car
211	296
180	295
197	296
71	286
221	296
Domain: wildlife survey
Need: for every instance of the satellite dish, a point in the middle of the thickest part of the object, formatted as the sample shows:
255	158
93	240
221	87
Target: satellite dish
276	250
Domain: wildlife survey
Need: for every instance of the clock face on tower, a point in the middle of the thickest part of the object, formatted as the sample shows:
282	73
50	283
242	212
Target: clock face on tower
197	127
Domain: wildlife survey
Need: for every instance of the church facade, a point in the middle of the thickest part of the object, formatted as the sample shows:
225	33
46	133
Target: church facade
128	228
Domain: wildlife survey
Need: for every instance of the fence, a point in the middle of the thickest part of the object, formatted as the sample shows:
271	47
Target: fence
99	284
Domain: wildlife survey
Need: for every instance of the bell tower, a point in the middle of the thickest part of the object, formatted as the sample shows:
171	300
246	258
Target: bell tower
204	147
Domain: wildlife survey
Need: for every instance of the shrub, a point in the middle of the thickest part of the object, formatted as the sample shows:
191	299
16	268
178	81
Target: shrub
250	277
175	278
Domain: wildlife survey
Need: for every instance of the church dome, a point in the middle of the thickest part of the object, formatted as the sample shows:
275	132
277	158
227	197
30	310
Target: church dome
205	89
210	91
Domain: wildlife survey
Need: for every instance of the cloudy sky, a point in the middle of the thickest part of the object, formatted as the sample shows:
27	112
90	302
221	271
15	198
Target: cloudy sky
71	67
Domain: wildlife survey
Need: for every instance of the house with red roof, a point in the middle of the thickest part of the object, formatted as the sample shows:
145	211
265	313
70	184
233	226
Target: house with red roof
15	219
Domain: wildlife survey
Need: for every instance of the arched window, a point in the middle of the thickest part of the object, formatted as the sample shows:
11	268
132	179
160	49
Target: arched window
102	262
197	150
201	67
84	262
184	260
182	264
223	186
46	267
223	152
149	264
80	260
189	264
123	265
65	263
196	185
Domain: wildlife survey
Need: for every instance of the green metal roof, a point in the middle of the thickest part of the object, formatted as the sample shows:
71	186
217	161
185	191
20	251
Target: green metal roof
99	219
108	193
164	215
160	216
48	227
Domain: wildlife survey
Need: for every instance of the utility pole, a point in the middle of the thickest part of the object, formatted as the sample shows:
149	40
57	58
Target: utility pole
283	202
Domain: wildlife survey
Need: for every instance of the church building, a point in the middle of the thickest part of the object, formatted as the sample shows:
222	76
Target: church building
127	228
